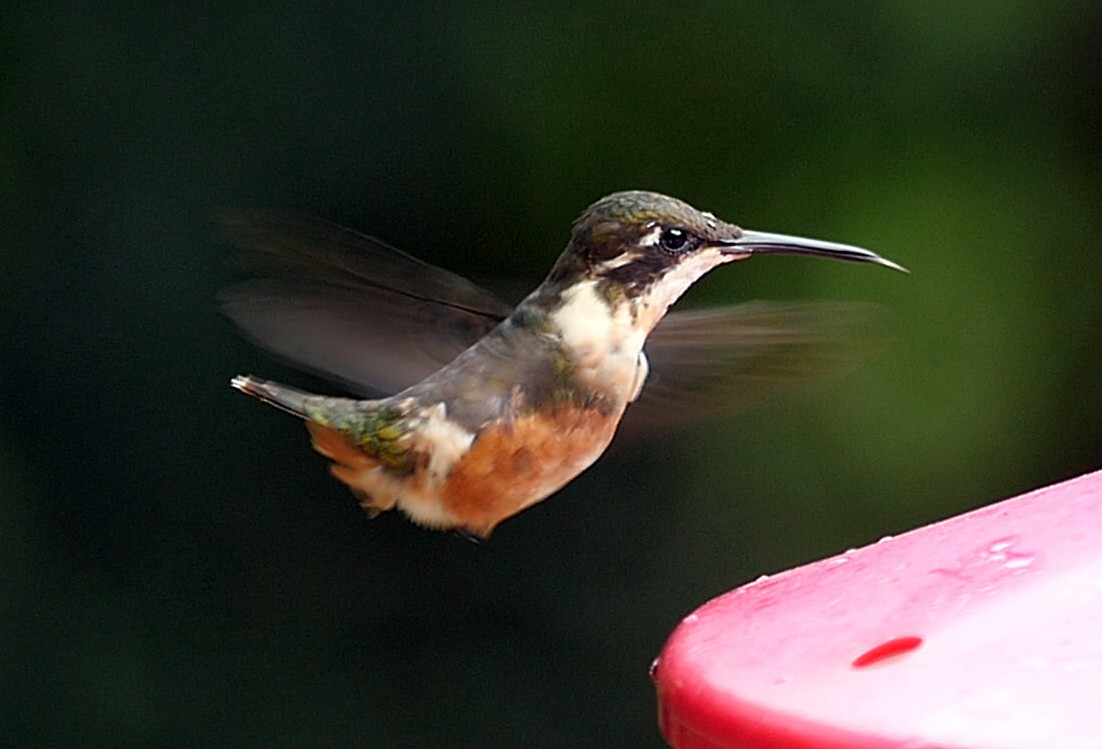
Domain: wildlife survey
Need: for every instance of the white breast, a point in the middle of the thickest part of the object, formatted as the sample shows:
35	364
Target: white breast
603	341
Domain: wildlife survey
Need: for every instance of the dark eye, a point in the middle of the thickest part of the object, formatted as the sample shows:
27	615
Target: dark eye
674	240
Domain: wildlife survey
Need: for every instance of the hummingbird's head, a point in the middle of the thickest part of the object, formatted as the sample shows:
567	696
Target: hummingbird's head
639	244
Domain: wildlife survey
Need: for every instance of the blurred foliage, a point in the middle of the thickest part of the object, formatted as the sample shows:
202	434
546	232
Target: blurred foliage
178	568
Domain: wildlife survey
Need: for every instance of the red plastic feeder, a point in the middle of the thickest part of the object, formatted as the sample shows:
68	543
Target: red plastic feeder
982	631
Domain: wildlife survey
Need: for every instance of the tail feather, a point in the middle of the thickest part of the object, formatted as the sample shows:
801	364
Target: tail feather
281	396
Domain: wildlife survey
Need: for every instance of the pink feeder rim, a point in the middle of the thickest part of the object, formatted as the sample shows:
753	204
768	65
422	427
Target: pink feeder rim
982	631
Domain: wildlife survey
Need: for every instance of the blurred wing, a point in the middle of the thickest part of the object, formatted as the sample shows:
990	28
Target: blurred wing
709	363
348	307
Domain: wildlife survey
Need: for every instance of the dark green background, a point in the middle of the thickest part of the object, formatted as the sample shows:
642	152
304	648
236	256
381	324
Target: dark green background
178	569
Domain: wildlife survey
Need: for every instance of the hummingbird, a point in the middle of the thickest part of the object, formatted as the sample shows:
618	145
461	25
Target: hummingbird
494	408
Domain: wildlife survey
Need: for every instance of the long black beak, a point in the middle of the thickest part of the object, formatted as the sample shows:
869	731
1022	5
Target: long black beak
762	243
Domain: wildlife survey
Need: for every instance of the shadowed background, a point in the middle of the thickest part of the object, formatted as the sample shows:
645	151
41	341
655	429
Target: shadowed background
177	567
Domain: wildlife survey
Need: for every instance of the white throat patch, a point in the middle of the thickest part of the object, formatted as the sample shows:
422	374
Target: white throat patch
602	340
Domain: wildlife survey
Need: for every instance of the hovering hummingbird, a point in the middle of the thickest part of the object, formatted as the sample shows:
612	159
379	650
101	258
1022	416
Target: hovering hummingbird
497	407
